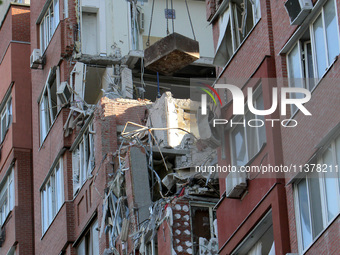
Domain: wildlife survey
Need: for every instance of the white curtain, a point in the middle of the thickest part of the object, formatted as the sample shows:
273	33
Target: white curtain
256	250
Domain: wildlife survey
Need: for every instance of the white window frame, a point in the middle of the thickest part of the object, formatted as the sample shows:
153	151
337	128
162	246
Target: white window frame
6	117
257	93
53	199
7	195
317	76
89	244
211	218
47	113
49	25
321	177
83	157
255	236
228	16
65	9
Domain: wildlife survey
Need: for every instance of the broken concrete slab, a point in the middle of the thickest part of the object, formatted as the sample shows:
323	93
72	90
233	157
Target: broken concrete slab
171	54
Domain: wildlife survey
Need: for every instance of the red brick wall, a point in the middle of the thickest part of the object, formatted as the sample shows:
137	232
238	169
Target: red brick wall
21	23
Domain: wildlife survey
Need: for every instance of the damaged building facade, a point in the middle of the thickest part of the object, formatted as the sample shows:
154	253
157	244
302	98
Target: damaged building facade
112	169
262	45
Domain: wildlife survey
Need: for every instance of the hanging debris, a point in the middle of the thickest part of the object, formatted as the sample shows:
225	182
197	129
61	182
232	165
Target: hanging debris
171	54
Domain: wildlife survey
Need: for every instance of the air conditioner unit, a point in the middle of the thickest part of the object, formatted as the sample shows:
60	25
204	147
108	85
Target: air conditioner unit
298	10
64	93
236	184
141	20
35	59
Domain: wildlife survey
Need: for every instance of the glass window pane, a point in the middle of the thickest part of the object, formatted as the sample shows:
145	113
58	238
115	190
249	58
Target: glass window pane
239	146
304	213
309	72
56	13
337	149
316	207
331	187
95	238
294	66
331	30
320	46
252	144
261	130
45	210
81	248
49	203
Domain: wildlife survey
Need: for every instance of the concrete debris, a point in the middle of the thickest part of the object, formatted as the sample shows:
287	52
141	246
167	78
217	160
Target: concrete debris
154	181
208	247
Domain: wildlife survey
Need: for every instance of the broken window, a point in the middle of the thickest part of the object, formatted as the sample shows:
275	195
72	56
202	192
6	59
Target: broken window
203	234
48	107
86	82
246	141
83	160
118	214
89	245
235	24
49	24
260	241
6	117
7	195
52	195
314	52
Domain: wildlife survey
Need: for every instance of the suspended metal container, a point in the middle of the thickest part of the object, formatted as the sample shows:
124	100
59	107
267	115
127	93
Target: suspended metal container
171	54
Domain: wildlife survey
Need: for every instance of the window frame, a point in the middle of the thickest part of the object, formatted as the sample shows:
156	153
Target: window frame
50	197
210	207
46	31
84	163
257	93
7	194
6	112
45	99
326	222
252	236
317	77
88	240
231	7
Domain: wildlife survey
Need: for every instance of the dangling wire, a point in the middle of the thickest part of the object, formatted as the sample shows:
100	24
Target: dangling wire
192	28
173	18
148	41
167	18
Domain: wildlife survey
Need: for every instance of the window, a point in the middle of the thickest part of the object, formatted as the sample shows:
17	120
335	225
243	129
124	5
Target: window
246	141
65	9
203	234
235	24
49	24
83	161
89	245
7	195
6	118
260	240
317	199
48	107
316	50
52	196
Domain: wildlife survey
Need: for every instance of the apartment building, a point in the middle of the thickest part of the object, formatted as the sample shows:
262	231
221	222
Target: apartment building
87	73
16	175
263	45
